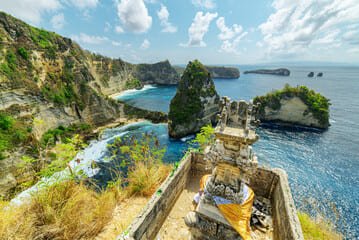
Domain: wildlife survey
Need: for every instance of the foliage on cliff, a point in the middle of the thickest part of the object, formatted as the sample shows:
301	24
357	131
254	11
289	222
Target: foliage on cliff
195	83
317	104
205	137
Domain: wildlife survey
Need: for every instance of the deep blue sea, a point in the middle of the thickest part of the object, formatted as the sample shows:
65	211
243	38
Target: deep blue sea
323	167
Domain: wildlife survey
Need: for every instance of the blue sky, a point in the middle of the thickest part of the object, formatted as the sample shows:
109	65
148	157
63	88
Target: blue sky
216	32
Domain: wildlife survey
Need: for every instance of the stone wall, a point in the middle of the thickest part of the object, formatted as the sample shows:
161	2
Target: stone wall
268	183
148	223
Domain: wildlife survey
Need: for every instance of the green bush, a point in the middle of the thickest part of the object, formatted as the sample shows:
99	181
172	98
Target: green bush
23	53
6	122
133	83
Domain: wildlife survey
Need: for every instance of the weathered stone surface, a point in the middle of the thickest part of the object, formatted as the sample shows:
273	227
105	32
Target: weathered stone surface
195	104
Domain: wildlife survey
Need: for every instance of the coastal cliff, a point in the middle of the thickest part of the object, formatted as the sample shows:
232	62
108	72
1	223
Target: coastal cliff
196	102
217	72
294	106
279	71
48	81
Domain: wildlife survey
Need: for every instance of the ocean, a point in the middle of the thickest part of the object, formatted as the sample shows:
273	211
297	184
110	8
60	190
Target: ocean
322	167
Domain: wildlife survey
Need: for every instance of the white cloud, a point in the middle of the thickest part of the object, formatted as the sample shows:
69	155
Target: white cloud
119	29
297	27
58	21
208	4
30	10
134	15
89	39
83	4
145	44
230	36
199	28
163	16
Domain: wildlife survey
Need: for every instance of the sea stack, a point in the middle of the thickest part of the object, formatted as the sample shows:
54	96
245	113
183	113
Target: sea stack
196	102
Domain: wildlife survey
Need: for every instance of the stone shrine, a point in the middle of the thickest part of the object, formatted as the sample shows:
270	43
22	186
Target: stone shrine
232	162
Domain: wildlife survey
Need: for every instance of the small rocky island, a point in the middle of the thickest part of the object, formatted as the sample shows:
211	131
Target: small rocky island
196	102
279	71
294	106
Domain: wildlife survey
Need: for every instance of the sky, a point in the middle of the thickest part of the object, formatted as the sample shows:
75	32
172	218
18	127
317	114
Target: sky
213	31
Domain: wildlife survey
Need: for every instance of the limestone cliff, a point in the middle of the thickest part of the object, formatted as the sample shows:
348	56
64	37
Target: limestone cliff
217	72
158	73
196	102
223	72
295	106
47	81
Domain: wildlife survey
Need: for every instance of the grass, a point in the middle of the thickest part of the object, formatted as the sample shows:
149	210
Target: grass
317	229
71	210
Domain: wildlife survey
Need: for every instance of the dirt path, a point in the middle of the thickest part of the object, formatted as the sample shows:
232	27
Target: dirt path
124	214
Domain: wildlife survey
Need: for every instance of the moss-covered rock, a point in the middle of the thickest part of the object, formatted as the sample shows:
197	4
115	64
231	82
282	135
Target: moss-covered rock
295	105
196	102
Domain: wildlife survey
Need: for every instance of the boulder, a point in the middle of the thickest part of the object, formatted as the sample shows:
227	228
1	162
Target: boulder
196	102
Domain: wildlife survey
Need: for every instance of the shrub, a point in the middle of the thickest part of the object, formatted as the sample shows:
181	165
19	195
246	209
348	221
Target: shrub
133	83
6	122
23	53
205	137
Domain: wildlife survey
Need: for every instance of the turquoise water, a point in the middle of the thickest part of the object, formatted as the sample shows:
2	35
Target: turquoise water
323	167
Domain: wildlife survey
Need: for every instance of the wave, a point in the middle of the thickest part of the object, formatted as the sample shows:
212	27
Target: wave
83	162
132	92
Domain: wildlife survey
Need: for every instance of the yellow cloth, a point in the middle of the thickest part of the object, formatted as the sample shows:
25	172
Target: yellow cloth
238	215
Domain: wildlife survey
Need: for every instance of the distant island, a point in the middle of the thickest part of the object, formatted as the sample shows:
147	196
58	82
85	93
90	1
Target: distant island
279	71
220	72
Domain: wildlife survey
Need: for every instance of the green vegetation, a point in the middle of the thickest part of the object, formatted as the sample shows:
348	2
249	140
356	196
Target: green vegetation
317	103
317	229
13	133
134	83
142	157
72	210
42	38
23	53
194	83
205	137
63	134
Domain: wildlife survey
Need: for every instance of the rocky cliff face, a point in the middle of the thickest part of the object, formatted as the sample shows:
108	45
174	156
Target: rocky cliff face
196	102
158	73
49	79
223	72
295	106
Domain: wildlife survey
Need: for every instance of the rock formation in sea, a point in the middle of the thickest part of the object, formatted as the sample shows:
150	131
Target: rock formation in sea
217	72
320	74
294	106
196	102
279	71
311	74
